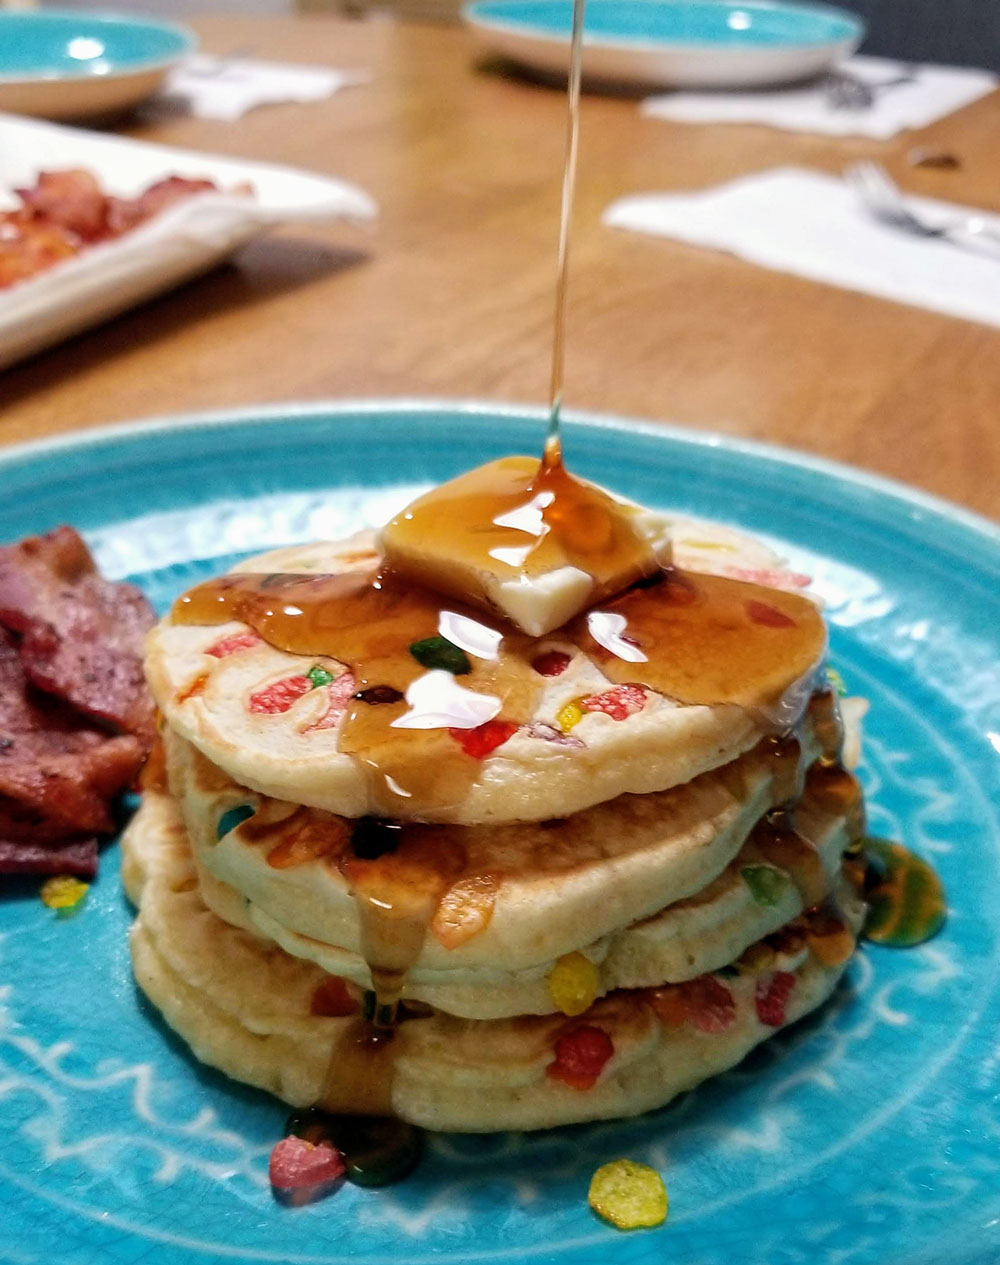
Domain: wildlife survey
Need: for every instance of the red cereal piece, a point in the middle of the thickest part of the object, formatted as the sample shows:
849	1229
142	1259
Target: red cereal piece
709	1003
479	742
705	1003
580	1056
339	692
302	1172
771	997
279	695
331	1000
769	616
237	641
551	663
668	1002
618	703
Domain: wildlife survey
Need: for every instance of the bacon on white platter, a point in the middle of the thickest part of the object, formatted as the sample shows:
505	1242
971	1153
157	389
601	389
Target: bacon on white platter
66	211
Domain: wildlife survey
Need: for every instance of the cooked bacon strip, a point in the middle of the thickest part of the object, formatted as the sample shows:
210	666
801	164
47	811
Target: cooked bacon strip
81	635
72	200
78	857
27	823
57	773
66	779
124	214
169	190
70	646
66	211
27	246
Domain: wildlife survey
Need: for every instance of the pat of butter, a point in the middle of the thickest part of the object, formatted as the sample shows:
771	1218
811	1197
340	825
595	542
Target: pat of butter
536	548
538	604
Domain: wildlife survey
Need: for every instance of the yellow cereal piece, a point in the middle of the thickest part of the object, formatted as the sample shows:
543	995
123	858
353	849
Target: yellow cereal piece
573	983
631	1196
569	715
63	892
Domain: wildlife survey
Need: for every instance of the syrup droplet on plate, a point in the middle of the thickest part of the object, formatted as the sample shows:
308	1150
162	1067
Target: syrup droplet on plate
906	899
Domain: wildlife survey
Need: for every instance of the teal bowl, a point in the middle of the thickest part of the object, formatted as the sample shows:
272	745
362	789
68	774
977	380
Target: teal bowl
672	43
58	65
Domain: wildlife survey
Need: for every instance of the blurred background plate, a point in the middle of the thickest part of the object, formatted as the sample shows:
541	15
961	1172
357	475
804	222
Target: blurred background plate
671	43
67	65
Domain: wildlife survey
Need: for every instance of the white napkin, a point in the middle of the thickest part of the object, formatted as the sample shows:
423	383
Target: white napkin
813	225
227	87
935	92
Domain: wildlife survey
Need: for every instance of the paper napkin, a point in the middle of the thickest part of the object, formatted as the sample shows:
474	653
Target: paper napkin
227	87
813	225
934	92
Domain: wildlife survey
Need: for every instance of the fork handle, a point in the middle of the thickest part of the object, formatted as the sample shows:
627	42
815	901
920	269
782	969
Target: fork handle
983	241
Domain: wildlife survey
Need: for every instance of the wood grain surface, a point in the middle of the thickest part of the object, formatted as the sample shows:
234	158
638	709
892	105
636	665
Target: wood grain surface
452	293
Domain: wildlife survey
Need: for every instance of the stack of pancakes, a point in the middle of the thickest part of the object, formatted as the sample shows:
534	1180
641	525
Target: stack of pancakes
669	877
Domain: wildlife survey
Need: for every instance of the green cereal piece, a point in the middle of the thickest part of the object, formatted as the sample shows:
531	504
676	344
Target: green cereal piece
439	652
837	681
767	885
319	676
629	1195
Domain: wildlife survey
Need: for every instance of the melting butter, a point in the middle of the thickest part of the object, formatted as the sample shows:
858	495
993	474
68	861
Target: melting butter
524	539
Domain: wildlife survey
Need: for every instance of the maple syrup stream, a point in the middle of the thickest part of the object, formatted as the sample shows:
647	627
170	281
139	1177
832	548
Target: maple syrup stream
553	446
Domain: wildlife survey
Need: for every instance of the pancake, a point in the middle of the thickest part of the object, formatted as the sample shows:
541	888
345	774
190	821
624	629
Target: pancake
688	939
595	883
244	1006
209	682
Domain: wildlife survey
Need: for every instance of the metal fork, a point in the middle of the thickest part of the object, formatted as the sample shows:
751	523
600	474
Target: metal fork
844	91
883	199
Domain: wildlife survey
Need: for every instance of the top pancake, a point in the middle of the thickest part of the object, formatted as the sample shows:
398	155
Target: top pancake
205	680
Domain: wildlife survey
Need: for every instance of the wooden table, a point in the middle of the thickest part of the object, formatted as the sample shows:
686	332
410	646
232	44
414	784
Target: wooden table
452	294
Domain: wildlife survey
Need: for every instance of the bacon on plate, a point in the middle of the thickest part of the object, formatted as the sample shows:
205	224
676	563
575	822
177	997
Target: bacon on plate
76	720
81	635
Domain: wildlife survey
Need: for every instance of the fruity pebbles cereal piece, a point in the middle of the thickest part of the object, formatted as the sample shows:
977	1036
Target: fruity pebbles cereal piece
631	1196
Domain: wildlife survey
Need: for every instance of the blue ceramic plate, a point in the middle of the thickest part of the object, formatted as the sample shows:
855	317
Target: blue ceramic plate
66	64
867	1135
672	43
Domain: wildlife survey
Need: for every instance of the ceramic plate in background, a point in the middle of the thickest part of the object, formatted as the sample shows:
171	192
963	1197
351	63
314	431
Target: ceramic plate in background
866	1134
63	65
187	238
671	43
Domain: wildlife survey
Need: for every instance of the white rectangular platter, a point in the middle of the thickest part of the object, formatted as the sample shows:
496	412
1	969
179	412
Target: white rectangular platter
187	238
